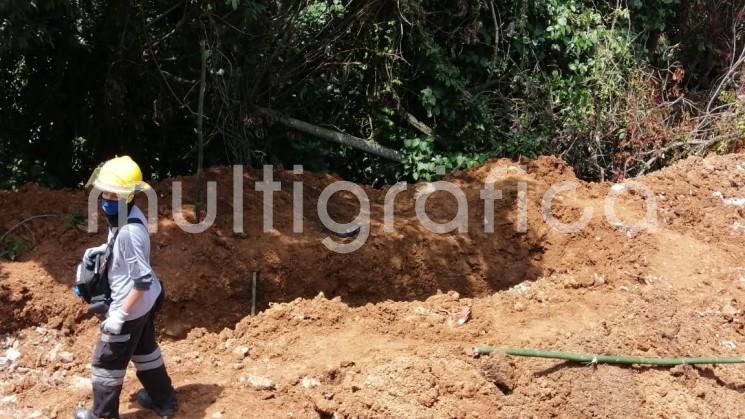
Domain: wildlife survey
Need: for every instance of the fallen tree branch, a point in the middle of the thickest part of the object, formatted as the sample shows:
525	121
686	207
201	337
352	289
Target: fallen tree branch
421	126
331	135
179	79
200	124
414	122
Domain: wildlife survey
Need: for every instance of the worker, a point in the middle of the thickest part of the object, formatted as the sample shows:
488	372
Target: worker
133	296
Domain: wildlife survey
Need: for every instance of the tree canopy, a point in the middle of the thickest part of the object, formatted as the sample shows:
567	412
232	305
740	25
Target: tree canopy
616	88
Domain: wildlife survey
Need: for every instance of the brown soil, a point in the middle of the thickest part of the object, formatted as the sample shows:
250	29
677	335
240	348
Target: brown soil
366	334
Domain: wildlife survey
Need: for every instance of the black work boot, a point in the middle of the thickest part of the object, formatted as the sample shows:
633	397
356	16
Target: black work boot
165	410
83	413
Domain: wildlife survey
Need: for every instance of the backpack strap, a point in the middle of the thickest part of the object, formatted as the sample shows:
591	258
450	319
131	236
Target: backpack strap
109	247
131	220
134	220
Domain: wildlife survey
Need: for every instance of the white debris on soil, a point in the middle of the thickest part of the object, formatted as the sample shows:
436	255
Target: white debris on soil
80	383
240	352
598	279
309	382
12	354
729	344
66	357
730	310
520	288
735	202
228	343
8	399
424	190
421	310
53	353
712	311
258	382
738	202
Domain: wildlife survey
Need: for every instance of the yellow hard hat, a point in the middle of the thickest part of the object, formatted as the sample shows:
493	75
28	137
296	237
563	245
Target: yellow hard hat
120	175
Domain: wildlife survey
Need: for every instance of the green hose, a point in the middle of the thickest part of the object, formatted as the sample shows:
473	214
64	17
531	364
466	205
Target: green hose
608	359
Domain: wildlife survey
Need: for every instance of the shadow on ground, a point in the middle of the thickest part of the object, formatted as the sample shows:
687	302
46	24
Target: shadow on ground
194	400
208	275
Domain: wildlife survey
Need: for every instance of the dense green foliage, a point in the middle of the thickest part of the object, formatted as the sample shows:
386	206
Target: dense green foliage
12	248
616	88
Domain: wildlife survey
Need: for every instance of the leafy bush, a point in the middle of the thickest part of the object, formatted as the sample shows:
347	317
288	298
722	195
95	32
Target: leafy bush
77	218
11	248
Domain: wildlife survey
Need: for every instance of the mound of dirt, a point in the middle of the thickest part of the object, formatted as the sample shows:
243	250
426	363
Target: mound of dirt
380	340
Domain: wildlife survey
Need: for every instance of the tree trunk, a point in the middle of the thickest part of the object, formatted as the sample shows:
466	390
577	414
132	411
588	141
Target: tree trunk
200	128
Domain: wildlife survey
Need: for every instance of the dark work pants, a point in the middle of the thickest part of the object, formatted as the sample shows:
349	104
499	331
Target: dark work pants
137	343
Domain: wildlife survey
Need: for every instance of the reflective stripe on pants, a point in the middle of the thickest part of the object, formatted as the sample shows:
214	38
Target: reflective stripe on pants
137	343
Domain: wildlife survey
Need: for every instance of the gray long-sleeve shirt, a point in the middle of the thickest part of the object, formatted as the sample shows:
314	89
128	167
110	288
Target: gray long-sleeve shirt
130	267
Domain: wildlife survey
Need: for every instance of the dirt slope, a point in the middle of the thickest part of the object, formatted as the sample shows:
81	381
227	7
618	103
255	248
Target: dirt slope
377	342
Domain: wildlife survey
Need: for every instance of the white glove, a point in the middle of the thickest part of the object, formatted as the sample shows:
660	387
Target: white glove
93	251
114	322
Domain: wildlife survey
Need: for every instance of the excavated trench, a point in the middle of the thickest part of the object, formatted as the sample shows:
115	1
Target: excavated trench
207	276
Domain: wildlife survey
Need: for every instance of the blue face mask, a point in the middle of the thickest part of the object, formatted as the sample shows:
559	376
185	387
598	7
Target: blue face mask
110	206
